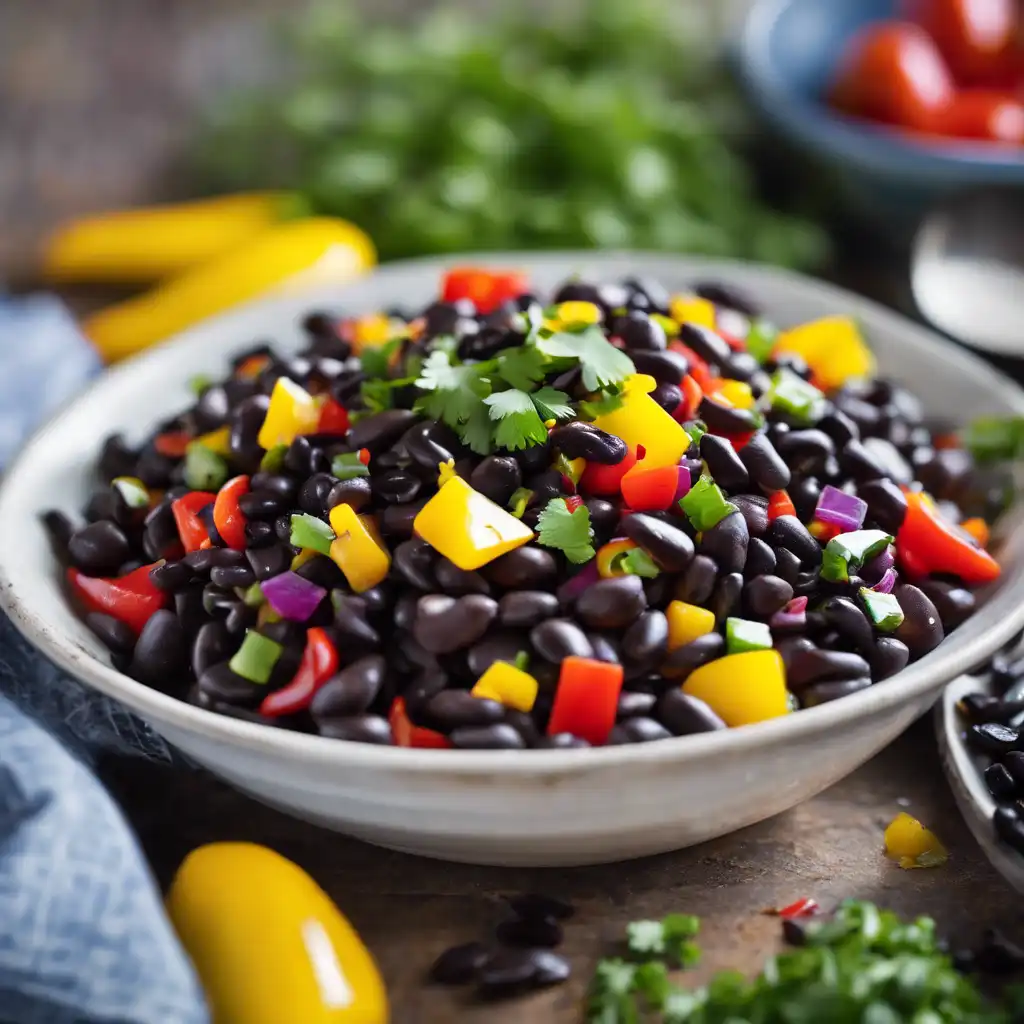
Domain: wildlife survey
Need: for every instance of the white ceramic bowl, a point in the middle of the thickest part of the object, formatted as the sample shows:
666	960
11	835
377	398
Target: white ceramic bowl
515	808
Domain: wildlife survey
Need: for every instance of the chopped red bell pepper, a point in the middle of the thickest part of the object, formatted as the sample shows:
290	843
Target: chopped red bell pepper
699	369
487	289
598	478
740	441
405	734
319	663
692	395
191	528
927	544
573	502
586	699
333	418
780	504
172	444
227	516
803	907
131	599
645	490
736	344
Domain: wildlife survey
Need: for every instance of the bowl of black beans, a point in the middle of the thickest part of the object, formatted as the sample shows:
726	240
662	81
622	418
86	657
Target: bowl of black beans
591	558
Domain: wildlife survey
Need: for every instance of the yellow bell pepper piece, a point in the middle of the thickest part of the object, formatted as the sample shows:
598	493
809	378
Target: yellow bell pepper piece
147	244
292	411
357	549
736	393
640	420
686	622
304	556
374	330
606	555
467	528
691	309
832	347
268	944
508	685
574	312
742	688
218	441
912	845
288	256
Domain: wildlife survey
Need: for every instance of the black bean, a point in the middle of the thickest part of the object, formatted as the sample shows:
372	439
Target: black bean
153	469
641	729
497	645
453	580
240	618
646	641
356	492
1014	762
460	964
760	559
113	633
201	562
710	346
259	534
527	607
954	604
698	582
668	545
612	603
981	707
526	567
530	932
851	623
510	972
887	506
380	430
270	561
212	646
787	565
357	729
667	367
604	519
634	704
116	458
605	648
994	738
398	520
921	629
754	510
99	548
805	451
314	494
445	624
1009	828
723	463
59	529
764	464
637	330
414	559
578	440
429	443
684	660
245	422
809	664
500	736
822	693
171	576
396	487
839	427
763	596
1000	782
885	454
727	295
562	741
263	505
557	639
891	656
726	542
524	724
789	533
350	620
350	691
668	396
229	576
725	419
497	477
684	715
159	656
726	596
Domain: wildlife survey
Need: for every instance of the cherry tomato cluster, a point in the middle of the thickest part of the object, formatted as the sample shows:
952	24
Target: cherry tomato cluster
952	68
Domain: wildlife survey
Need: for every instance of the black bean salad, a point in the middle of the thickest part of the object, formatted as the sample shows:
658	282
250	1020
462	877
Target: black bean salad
617	517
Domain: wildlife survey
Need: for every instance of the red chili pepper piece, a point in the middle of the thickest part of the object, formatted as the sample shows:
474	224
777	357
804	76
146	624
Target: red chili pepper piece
487	289
926	544
191	528
131	599
227	516
803	907
333	418
779	504
645	490
405	734
172	444
319	663
586	699
601	479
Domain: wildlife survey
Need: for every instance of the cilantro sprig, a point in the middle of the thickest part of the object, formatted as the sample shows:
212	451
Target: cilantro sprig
569	532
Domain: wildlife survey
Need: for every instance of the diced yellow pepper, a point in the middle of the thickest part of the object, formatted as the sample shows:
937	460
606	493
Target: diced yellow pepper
218	441
357	550
691	309
606	555
268	944
372	331
736	393
467	528
304	556
508	685
292	411
912	845
641	421
686	622
670	327
742	688
832	347
569	313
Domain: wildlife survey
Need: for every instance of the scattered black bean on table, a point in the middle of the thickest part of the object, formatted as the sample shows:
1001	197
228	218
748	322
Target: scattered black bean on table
430	629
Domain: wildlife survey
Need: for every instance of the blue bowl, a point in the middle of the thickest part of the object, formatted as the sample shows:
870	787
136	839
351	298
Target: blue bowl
787	55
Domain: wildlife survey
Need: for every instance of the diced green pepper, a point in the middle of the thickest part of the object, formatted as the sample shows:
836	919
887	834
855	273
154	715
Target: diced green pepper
204	470
850	551
746	635
133	491
796	397
256	658
348	466
991	438
761	339
883	609
522	661
636	562
273	459
310	532
520	499
705	504
252	596
198	383
697	429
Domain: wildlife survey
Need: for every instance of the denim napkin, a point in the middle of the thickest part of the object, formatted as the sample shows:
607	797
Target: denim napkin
83	936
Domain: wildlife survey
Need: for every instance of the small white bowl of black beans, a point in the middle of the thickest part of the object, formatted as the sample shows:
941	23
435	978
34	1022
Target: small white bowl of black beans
595	558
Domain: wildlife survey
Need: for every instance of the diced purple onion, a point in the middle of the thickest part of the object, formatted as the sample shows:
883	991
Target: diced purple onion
573	587
840	509
292	596
887	582
791	617
874	570
683	487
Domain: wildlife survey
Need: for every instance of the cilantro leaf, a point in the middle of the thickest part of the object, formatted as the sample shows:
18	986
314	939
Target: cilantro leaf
376	394
521	367
519	426
570	532
602	363
607	401
376	360
454	393
553	404
476	431
645	937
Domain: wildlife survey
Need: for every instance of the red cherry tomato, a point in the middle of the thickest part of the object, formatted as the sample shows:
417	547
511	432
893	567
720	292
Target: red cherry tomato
892	72
985	114
977	37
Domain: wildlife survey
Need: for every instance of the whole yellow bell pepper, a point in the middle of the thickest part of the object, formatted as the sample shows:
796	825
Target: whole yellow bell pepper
268	944
150	243
289	256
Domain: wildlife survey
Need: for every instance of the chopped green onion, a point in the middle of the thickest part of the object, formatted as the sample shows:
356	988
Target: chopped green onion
697	429
705	504
761	339
883	609
310	532
522	661
796	397
520	499
746	635
636	562
850	551
134	493
199	383
256	658
273	459
348	466
205	470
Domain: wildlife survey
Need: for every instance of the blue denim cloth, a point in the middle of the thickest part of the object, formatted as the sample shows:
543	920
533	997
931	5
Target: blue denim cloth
83	935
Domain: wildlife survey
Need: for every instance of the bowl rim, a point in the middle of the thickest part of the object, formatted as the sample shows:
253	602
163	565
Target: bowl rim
27	609
861	143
